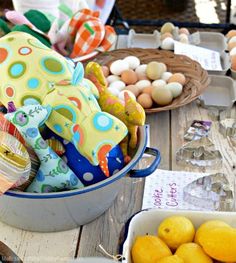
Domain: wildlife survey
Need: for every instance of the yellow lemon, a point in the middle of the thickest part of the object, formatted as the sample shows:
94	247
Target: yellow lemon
220	243
170	259
148	249
176	230
206	226
192	253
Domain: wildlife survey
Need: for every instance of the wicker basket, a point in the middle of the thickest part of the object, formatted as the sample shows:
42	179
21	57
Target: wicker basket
196	77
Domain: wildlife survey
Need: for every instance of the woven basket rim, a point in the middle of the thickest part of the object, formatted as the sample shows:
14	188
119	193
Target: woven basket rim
197	78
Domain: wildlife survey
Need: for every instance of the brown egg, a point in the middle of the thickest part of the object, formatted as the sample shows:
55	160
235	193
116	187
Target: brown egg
145	100
129	76
177	77
105	71
134	89
233	62
165	35
162	96
231	45
231	33
183	30
147	90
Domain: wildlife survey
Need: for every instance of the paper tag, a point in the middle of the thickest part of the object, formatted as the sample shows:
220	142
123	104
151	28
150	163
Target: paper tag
209	59
164	189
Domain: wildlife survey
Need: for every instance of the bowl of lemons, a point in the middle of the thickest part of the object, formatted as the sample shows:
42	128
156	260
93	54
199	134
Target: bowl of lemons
179	236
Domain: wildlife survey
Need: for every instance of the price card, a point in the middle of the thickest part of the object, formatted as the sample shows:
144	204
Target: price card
164	189
209	59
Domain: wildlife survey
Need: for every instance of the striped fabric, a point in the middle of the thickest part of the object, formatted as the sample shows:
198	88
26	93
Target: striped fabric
8	127
15	163
57	146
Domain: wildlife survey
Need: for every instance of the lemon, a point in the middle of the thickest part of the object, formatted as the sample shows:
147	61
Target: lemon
192	253
220	243
170	259
148	249
176	230
206	226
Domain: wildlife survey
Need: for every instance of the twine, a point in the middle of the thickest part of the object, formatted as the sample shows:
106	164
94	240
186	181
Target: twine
114	257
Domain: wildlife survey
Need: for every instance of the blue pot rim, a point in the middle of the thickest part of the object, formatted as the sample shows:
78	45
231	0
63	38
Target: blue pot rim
119	175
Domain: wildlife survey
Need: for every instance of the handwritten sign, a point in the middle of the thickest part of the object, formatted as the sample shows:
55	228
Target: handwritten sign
209	59
164	189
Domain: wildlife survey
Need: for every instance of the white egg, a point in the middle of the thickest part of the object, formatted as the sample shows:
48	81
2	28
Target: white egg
117	85
232	51
167	43
118	66
232	39
121	95
166	75
183	36
158	83
175	88
133	61
141	84
112	78
141	70
113	91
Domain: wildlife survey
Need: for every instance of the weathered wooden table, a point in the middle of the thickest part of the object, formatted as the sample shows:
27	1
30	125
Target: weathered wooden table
166	133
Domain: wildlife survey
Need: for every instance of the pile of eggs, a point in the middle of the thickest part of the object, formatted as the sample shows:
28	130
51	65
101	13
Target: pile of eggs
147	83
171	33
231	46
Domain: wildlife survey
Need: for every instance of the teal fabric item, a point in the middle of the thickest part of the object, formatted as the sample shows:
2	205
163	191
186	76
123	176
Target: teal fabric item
26	29
53	174
38	19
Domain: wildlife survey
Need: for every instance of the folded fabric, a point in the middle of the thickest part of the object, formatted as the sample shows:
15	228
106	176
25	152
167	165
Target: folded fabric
14	162
53	174
31	74
8	127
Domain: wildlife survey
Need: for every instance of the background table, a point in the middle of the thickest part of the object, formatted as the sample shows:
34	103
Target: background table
166	133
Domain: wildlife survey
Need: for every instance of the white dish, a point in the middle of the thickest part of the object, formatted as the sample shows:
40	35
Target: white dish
147	222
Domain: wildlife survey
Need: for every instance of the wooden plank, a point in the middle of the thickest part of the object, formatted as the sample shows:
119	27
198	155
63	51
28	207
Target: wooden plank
106	230
40	247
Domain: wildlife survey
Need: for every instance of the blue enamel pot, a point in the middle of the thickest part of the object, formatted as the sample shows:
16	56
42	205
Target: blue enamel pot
66	210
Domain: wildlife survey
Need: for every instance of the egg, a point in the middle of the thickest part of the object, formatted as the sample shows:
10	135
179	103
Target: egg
112	78
147	90
133	61
118	85
133	88
162	96
175	88
141	70
166	75
184	30
141	84
231	45
105	71
129	76
158	83
167	27
167	43
233	62
232	39
232	52
113	91
183	38
145	100
231	33
165	35
177	77
155	70
118	66
122	97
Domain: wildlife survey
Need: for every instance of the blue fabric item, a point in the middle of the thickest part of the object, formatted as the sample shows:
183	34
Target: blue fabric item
87	173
